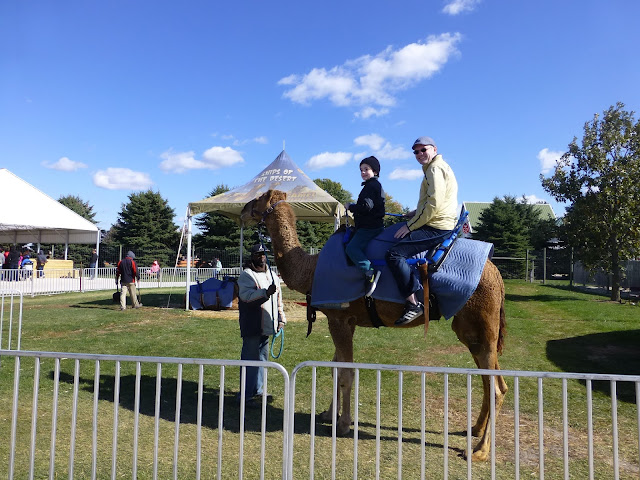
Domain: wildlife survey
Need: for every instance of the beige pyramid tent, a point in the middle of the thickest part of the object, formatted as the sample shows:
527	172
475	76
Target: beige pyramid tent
308	200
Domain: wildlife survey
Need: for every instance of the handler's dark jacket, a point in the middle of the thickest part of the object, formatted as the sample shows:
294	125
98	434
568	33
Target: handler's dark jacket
368	211
127	271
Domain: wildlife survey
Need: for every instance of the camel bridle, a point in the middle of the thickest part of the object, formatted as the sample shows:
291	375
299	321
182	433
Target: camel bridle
264	214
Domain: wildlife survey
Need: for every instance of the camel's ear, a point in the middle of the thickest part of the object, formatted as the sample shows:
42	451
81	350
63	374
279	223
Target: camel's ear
274	196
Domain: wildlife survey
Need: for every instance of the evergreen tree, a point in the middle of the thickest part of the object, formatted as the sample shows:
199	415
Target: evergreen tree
82	208
79	254
599	178
508	224
218	232
146	224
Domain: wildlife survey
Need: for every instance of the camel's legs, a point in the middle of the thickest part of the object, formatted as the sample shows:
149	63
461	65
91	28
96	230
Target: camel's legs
482	428
342	334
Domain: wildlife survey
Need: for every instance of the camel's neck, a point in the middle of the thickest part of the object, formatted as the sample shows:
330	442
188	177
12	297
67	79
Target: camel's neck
294	265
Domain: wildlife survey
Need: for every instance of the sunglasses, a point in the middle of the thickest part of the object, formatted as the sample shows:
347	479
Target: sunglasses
422	150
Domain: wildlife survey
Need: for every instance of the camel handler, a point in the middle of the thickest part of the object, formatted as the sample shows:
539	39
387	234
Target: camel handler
428	225
127	272
261	315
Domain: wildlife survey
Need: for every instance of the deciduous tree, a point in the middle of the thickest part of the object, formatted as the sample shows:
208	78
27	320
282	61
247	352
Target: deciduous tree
600	179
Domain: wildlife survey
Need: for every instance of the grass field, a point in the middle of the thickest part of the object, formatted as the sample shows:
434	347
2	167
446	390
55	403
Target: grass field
549	328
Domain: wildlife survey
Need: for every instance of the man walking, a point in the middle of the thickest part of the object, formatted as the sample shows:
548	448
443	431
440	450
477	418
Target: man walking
127	273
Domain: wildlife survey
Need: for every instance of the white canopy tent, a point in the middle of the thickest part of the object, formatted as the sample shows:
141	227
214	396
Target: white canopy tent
31	216
308	200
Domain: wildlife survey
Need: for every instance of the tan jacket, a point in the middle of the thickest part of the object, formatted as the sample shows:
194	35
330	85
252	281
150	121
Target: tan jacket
438	203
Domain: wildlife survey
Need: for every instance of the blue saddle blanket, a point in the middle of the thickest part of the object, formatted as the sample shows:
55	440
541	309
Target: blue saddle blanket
335	282
211	293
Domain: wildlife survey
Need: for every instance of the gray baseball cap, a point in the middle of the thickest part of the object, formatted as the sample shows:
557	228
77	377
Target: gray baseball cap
424	141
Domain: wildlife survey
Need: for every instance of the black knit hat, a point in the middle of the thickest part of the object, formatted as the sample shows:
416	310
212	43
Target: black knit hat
373	163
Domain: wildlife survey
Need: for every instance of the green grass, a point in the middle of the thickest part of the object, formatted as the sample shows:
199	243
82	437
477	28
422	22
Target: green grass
549	328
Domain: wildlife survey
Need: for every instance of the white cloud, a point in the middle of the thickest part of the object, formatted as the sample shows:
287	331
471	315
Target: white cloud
370	82
548	159
406	174
212	159
64	164
328	159
381	148
122	179
456	7
218	157
532	199
370	112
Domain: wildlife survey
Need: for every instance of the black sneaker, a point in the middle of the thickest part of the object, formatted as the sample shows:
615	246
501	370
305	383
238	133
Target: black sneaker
411	312
371	281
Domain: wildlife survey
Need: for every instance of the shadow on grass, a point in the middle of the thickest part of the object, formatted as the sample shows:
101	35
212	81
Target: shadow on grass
616	353
148	299
211	402
598	292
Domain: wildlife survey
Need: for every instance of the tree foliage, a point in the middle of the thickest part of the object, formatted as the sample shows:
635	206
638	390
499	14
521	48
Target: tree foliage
512	225
598	177
79	254
316	234
220	233
82	208
145	224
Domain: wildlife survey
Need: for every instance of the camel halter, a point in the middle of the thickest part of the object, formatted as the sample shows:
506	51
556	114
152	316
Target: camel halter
269	210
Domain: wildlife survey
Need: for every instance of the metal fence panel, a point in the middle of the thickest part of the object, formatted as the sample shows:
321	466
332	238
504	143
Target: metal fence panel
10	319
415	422
109	416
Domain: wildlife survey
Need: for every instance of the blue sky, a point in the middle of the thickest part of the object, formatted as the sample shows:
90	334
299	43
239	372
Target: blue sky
102	99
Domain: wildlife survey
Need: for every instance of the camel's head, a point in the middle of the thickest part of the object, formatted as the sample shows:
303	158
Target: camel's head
256	210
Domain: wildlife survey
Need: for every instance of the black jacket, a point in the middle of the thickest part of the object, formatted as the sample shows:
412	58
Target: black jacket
368	212
128	270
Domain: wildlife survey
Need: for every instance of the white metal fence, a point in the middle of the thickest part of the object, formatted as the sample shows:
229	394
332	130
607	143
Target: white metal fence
90	279
10	319
108	416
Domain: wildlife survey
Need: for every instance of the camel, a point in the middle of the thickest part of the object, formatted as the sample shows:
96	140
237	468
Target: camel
480	325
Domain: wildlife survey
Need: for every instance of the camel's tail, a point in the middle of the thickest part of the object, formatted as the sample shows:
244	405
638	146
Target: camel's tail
503	325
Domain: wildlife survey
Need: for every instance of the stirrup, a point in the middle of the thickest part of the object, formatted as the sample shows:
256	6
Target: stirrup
374	284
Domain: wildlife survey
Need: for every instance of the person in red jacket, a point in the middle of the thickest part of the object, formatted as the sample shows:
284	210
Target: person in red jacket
127	273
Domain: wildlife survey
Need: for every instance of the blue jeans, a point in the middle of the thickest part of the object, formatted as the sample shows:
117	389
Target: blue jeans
358	244
413	243
92	270
254	348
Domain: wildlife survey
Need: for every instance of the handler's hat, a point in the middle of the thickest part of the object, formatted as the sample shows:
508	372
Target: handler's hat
258	248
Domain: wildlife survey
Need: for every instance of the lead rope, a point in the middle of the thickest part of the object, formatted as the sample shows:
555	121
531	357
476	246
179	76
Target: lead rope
279	333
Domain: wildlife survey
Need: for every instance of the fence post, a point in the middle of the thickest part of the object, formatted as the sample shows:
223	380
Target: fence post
526	266
544	265
571	269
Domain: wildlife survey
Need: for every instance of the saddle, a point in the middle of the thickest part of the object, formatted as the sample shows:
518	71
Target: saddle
455	272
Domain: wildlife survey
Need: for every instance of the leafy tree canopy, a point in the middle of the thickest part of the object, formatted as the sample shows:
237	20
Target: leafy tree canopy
598	177
316	234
